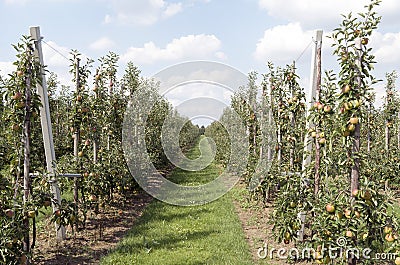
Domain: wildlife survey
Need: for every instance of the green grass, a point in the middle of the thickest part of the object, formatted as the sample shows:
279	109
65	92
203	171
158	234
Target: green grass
178	235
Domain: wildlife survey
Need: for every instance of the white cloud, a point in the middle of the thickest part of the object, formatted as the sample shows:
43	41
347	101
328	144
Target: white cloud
282	43
107	19
386	47
6	68
16	2
322	14
144	12
173	9
102	44
188	47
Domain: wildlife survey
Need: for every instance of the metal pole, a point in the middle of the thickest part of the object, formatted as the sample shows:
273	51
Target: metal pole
46	128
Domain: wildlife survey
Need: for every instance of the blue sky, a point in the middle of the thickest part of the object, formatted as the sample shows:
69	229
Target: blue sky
157	33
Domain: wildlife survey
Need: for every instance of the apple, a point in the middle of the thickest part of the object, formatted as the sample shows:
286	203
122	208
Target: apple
348	106
367	195
356	103
354	193
330	208
387	230
357	214
293	205
97	77
20	73
397	261
79	98
57	213
17	96
120	212
20	104
46	202
327	109
389	237
346	88
351	127
286	241
346	133
80	154
92	198
87	142
322	135
364	41
347	213
23	259
31	214
9	213
349	234
86	174
313	134
339	215
353	120
95	88
322	141
15	127
287	236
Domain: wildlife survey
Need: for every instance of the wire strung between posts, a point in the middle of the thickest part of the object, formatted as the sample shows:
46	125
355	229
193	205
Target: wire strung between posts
302	53
54	49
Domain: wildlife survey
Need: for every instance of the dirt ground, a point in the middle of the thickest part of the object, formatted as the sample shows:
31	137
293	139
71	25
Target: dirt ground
254	218
103	232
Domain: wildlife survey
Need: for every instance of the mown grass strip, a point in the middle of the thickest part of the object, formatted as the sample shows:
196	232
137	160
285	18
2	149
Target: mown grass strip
176	235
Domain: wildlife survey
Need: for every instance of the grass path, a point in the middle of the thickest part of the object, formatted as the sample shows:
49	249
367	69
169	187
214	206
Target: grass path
176	235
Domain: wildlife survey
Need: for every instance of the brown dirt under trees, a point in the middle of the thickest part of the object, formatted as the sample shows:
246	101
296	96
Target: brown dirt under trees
103	232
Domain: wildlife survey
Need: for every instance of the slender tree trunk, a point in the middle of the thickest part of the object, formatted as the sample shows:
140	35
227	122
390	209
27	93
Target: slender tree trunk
27	150
76	142
398	130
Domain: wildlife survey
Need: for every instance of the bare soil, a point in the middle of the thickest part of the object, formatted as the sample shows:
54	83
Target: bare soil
255	222
103	231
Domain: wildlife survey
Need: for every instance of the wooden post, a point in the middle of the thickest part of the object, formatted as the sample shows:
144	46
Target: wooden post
317	177
47	129
310	101
270	122
369	109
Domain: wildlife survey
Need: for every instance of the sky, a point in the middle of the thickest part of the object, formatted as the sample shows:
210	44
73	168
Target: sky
155	34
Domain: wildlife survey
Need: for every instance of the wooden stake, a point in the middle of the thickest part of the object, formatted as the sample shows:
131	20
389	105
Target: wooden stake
307	139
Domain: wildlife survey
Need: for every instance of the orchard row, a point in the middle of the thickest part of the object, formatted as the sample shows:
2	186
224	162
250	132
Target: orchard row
87	121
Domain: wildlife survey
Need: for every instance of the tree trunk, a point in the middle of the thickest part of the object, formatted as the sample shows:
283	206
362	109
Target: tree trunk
27	150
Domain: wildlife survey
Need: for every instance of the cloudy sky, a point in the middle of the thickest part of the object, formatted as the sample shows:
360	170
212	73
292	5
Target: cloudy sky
155	34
